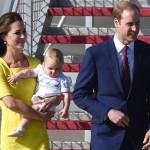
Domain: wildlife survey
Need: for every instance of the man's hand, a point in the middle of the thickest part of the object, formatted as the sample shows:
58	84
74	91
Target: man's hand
146	141
118	118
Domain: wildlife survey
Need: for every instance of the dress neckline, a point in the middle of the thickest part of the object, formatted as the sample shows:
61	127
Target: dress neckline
27	58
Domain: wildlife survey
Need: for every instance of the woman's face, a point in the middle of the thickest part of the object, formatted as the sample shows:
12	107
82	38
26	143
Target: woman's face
16	37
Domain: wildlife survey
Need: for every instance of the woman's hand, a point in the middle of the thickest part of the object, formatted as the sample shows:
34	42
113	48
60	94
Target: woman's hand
47	115
49	102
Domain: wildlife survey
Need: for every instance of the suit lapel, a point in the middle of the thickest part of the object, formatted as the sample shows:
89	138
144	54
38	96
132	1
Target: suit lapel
113	60
137	60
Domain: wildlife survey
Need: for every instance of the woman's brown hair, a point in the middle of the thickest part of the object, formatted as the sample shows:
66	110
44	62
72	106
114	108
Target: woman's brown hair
5	21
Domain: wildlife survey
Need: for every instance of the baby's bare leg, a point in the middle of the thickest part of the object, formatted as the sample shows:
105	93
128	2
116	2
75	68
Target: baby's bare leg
21	127
24	122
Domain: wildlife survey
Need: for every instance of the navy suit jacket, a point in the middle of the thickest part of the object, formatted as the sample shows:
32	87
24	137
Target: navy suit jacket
100	73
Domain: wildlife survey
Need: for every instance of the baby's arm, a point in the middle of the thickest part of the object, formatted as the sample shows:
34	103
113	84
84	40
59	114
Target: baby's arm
20	75
64	112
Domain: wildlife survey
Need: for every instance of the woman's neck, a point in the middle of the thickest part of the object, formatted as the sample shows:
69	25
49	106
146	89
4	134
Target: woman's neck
13	55
15	60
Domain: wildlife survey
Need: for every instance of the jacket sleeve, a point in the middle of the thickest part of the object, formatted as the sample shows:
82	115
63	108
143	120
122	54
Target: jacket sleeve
85	85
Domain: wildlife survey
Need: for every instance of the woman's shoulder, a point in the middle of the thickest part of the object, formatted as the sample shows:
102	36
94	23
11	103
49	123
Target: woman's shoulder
3	64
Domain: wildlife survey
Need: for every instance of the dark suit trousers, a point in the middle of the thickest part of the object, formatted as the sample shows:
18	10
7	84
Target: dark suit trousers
127	144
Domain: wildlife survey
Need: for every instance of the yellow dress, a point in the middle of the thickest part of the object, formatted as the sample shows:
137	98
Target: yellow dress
35	137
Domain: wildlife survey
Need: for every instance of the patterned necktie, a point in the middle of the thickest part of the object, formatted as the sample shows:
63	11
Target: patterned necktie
125	71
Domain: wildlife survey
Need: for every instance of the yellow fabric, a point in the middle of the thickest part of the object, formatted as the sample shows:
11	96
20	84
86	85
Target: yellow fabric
35	137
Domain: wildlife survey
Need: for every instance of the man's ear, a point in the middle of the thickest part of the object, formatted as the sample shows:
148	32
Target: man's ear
116	22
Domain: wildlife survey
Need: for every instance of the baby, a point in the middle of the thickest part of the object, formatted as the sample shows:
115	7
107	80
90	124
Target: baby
50	82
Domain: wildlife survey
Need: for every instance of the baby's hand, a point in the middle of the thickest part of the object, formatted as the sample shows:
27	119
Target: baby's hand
11	79
63	114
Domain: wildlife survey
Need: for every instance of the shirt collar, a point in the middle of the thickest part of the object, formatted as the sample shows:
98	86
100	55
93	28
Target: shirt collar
119	46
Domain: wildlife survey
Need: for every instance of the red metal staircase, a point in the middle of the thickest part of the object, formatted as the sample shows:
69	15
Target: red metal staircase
79	120
87	22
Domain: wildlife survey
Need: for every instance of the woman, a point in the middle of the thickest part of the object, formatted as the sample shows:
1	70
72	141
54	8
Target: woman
16	99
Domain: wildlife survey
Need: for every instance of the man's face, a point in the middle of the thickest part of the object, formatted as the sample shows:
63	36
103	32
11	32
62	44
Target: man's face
127	28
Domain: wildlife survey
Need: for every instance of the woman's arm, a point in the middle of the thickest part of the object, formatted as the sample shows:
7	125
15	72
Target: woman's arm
19	106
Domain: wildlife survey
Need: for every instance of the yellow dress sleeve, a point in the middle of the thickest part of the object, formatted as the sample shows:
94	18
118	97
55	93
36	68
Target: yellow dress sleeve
4	85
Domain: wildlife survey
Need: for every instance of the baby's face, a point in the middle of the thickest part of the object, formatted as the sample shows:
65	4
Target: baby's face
51	68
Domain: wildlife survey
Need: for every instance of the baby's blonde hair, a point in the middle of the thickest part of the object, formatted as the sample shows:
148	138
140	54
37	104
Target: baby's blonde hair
54	54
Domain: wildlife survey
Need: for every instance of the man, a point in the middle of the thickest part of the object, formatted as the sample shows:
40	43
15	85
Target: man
119	106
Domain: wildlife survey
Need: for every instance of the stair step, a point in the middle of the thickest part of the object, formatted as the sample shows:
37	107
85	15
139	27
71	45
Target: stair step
69	125
74	39
88	11
79	11
56	145
81	39
100	3
79	31
70	67
69	135
85	31
79	3
74	115
76	121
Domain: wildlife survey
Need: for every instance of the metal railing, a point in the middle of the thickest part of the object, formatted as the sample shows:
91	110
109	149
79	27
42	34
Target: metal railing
34	13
